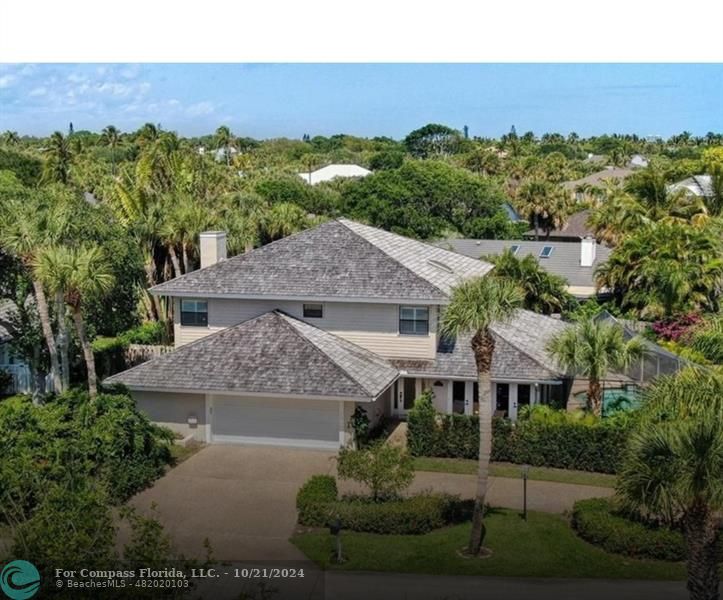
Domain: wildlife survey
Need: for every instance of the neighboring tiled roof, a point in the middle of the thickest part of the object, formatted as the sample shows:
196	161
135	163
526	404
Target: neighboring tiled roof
519	352
576	227
338	259
698	185
270	354
564	260
599	178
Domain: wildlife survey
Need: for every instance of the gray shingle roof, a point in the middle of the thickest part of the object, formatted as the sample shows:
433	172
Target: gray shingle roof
338	259
564	260
270	354
698	185
576	227
519	352
7	308
600	177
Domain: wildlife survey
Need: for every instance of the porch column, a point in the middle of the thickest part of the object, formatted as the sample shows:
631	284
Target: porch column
342	425
417	387
493	396
468	397
513	402
450	397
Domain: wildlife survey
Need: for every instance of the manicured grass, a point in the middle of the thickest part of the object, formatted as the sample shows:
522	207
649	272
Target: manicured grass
464	466
544	546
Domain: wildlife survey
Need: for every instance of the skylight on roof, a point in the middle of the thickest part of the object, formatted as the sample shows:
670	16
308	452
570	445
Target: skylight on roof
514	248
546	251
440	265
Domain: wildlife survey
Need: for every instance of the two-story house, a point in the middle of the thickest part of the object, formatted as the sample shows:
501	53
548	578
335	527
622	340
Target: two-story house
281	344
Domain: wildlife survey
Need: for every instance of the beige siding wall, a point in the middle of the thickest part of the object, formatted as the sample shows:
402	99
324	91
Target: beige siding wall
372	326
173	410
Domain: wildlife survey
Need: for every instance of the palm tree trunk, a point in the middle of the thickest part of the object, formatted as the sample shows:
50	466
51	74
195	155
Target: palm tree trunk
174	260
63	340
594	396
186	264
537	227
87	352
483	346
702	533
44	314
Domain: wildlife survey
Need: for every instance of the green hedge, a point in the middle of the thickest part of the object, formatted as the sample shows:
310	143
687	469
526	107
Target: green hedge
597	522
544	437
318	505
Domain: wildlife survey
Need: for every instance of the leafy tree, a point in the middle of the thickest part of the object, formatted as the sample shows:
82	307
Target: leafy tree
474	306
484	161
10	138
544	292
27	169
665	268
594	349
674	468
433	141
386	160
224	141
386	470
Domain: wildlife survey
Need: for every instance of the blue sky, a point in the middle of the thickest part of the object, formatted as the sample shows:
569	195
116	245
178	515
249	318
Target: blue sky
273	100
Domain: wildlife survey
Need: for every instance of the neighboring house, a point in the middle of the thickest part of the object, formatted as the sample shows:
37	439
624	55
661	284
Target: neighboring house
697	185
638	161
330	172
609	175
574	229
575	262
22	382
596	159
281	344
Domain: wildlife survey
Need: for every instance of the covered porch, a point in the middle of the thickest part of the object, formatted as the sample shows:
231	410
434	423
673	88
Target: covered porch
461	395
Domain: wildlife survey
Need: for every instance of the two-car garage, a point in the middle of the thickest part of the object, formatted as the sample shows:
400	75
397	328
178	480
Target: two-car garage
275	421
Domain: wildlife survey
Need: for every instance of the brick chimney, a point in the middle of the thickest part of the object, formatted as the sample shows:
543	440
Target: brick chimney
213	247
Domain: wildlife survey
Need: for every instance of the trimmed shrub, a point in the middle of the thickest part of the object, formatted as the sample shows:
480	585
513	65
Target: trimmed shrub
313	498
318	506
542	437
597	522
386	470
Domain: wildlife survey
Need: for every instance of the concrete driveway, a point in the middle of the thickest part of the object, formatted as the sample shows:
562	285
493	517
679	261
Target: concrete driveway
242	498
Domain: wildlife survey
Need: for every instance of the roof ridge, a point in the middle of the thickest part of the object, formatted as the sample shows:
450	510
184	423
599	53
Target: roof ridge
285	318
417	275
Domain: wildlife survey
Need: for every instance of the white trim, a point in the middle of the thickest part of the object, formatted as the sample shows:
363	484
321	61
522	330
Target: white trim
528	381
284	442
315	299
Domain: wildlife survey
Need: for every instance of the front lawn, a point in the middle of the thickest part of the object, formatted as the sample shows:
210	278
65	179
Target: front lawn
544	546
463	466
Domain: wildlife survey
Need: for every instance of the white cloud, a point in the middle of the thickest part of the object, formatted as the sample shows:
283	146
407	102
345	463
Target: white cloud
200	108
38	91
77	78
6	80
116	89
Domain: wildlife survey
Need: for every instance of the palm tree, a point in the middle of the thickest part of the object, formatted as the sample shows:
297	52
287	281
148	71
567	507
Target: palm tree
545	292
111	138
284	219
474	306
544	204
484	161
673	468
80	273
57	165
29	223
593	349
224	140
11	138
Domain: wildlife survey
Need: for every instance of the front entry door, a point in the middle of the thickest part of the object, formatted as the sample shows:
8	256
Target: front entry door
405	394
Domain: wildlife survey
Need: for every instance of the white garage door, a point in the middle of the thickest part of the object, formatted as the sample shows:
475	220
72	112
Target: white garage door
306	423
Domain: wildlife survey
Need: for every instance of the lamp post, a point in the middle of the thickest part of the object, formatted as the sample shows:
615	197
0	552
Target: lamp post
335	530
525	474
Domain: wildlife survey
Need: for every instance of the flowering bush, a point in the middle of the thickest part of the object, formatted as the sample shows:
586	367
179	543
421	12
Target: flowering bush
675	328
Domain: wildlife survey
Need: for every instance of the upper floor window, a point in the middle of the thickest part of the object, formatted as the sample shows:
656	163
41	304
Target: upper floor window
313	311
194	313
413	320
546	252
